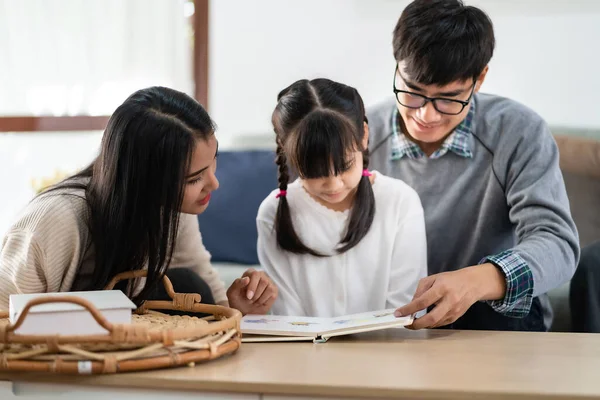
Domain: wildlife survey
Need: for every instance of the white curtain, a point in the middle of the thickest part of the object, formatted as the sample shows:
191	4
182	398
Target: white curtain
69	57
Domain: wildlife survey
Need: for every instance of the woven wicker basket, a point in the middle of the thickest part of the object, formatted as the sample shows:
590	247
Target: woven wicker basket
153	339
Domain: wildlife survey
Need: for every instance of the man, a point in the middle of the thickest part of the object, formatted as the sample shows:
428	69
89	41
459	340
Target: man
499	230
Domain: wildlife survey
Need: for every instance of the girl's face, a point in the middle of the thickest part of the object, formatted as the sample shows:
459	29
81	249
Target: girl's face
337	192
201	180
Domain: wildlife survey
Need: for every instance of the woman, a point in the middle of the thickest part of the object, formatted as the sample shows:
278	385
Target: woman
133	208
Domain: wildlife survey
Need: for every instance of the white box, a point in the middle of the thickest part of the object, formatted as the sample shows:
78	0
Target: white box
69	318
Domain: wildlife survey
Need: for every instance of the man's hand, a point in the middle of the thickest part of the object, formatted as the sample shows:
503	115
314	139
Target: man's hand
453	293
253	293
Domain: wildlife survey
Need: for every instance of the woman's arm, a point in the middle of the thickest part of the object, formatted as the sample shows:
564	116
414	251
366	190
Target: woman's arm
43	250
190	252
22	267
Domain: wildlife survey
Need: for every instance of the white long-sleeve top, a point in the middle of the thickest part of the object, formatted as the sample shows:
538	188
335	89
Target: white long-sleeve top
382	271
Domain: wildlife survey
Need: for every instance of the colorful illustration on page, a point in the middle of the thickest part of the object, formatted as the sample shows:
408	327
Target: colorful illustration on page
342	321
260	321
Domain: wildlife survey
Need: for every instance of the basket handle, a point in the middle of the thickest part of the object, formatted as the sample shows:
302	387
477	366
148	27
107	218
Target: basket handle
62	299
125	276
128	275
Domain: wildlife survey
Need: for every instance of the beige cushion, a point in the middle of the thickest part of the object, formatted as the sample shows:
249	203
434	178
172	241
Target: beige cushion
580	164
579	156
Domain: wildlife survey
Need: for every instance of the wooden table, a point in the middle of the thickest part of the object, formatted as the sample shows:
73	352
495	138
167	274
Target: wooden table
396	363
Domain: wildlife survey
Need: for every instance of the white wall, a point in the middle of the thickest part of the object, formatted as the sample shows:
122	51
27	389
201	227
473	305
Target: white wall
546	55
66	57
72	57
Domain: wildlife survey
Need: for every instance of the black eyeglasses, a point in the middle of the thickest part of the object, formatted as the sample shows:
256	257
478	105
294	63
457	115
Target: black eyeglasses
442	105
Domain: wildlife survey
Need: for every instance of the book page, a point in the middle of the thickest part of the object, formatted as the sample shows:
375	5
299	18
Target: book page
312	326
373	318
249	338
284	325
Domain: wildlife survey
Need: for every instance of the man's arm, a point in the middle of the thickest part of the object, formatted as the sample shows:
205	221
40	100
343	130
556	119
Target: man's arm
547	249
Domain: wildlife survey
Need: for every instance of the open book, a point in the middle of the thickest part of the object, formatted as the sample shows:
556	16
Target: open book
276	328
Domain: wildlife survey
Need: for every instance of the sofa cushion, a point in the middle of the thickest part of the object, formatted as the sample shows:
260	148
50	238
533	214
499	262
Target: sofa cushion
580	165
229	223
584	198
579	155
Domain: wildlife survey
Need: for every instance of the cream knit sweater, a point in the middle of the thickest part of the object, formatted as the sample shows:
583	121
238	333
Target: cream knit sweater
47	249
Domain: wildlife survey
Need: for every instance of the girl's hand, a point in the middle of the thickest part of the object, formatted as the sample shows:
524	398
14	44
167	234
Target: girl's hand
253	293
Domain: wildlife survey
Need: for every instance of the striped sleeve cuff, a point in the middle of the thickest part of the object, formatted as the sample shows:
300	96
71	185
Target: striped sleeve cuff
519	284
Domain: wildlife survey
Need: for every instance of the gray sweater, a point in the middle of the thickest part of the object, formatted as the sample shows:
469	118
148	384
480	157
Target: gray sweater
509	195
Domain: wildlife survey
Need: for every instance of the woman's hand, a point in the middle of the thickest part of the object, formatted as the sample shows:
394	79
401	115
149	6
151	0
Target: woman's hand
253	293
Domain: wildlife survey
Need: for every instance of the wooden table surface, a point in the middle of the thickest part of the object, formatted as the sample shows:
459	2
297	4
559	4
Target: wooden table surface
396	363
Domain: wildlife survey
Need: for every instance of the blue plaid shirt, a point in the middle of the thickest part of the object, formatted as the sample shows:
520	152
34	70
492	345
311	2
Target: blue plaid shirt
457	142
519	278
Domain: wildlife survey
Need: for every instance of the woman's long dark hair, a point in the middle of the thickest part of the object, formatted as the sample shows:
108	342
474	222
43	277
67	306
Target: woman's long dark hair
135	187
318	123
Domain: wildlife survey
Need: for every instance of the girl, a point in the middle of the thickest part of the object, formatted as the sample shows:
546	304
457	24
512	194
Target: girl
340	239
134	207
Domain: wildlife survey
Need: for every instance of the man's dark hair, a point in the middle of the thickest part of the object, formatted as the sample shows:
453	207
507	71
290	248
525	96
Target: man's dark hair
442	41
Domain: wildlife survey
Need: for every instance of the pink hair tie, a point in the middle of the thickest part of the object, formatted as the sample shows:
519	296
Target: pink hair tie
366	172
281	193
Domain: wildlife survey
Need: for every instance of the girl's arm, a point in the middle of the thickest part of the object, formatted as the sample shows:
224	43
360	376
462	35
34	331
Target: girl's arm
275	263
409	256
